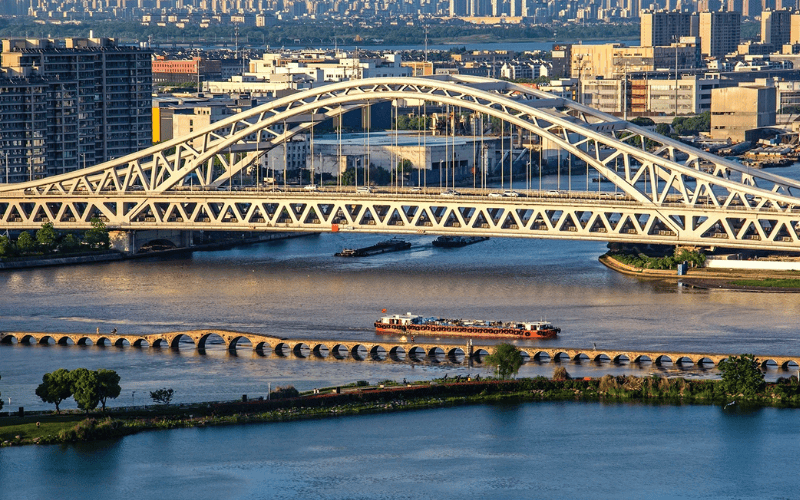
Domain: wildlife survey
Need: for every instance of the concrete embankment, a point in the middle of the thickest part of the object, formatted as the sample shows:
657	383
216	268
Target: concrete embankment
112	255
708	278
61	261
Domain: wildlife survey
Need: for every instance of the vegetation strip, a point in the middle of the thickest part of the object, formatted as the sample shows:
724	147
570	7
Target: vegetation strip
769	283
745	387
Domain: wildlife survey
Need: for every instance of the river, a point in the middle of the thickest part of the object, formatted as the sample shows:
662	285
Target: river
533	450
296	287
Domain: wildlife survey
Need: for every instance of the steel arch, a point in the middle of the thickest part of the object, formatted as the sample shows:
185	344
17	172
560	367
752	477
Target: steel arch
592	136
729	199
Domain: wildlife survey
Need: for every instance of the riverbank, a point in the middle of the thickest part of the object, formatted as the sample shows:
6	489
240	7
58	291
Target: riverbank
385	398
715	279
113	255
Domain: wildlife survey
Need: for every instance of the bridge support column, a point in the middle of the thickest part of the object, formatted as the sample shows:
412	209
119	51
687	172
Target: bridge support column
123	241
130	242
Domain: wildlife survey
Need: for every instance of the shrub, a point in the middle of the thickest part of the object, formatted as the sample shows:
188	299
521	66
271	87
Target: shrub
560	373
284	393
607	382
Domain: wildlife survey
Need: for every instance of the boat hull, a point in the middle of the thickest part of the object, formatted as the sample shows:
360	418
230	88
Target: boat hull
375	249
458	242
465	331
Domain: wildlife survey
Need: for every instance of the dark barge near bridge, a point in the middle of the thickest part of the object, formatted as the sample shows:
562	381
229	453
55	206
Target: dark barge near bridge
392	245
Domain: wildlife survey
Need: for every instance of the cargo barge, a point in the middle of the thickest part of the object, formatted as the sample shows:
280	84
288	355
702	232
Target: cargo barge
411	324
392	245
457	241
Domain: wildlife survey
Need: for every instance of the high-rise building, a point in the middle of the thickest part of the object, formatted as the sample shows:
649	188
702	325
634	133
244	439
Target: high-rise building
23	128
663	28
776	27
97	99
794	31
720	33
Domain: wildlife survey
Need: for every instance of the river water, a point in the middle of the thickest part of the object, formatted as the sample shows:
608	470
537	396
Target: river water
534	450
295	288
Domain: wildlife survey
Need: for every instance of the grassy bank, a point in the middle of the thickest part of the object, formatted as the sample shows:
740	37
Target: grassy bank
769	283
122	422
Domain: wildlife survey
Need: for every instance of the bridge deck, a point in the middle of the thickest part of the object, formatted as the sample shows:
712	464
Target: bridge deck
396	349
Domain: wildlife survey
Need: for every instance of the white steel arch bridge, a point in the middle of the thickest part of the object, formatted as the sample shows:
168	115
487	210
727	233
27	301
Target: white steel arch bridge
664	191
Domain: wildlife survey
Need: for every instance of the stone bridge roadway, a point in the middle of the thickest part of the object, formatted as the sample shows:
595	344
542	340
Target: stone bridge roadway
391	348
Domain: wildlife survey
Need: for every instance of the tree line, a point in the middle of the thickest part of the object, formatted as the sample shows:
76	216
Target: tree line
88	388
47	240
741	375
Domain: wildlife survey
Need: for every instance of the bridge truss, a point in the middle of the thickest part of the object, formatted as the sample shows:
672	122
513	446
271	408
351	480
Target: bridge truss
666	192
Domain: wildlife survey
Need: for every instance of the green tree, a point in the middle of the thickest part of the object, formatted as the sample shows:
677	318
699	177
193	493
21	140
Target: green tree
663	129
643	121
107	385
55	387
691	125
46	236
506	359
162	395
404	166
25	242
85	389
6	246
97	236
741	375
69	243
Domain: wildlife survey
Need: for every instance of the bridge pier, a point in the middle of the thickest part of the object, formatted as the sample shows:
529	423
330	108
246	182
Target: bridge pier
130	242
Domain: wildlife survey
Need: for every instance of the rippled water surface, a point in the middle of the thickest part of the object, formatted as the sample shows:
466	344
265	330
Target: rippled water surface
535	450
296	288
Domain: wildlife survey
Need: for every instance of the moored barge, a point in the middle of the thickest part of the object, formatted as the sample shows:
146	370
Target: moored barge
392	245
411	324
457	241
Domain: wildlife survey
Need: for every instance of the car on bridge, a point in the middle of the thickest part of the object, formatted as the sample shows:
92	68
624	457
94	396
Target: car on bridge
311	187
365	189
450	193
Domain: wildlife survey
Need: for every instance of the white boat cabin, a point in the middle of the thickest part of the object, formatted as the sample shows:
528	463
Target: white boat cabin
539	326
401	319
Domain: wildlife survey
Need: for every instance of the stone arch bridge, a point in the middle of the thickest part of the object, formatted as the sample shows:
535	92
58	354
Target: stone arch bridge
394	349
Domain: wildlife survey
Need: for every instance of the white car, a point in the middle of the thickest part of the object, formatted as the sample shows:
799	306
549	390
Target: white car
509	193
450	192
365	189
416	189
495	195
554	192
311	187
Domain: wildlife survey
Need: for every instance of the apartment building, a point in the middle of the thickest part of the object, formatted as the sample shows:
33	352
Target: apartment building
665	27
96	100
23	128
776	27
720	33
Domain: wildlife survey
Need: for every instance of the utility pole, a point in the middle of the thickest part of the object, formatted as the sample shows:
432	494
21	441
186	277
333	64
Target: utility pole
625	94
676	75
